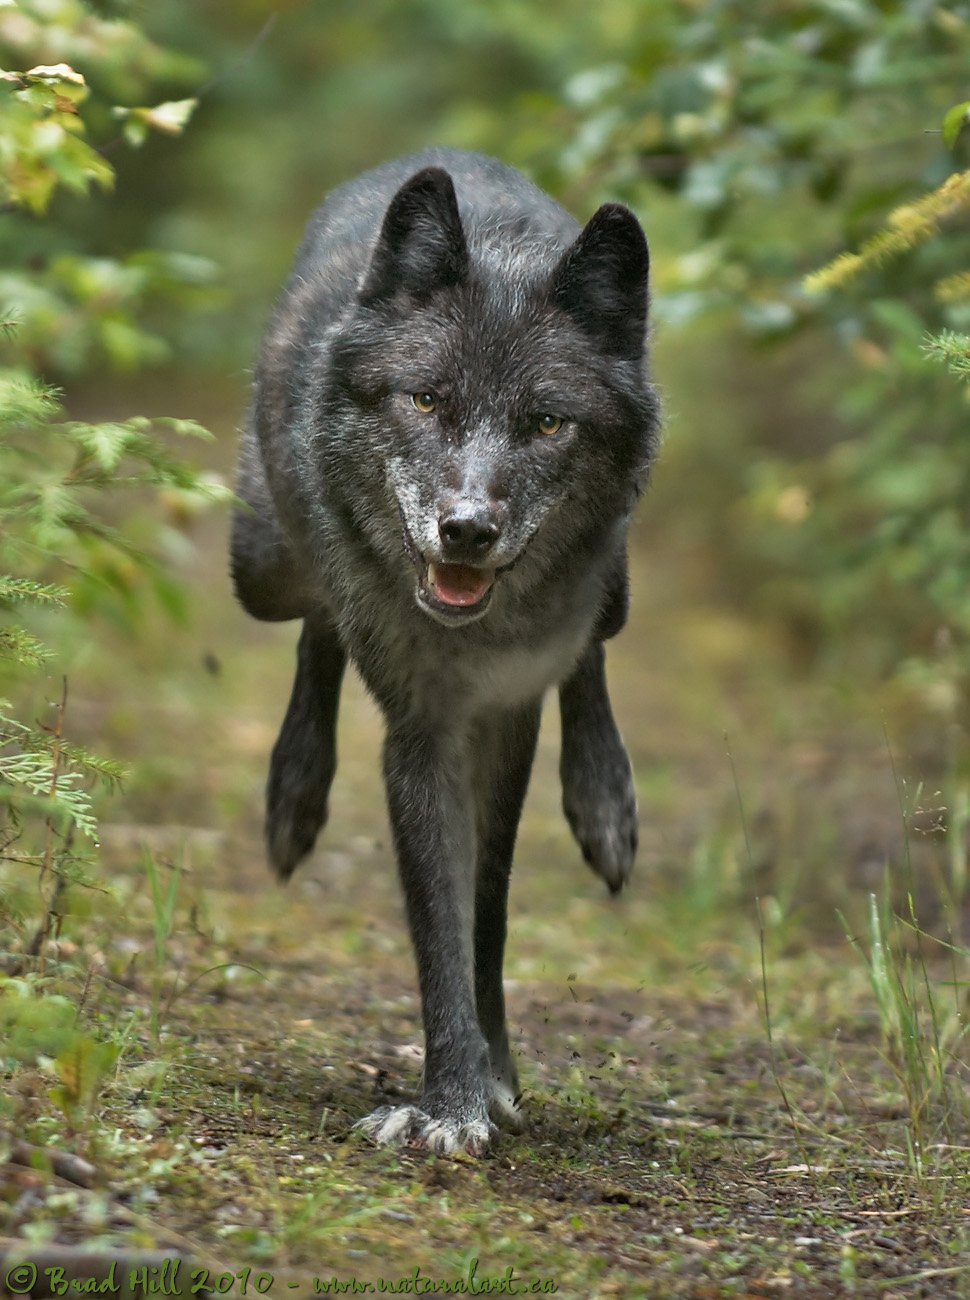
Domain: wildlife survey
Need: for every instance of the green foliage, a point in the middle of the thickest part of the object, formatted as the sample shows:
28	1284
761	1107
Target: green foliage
40	772
42	137
114	54
59	544
76	306
782	136
82	1067
42	143
50	472
49	469
953	350
954	122
77	310
37	1025
169	118
922	1032
907	228
33	1026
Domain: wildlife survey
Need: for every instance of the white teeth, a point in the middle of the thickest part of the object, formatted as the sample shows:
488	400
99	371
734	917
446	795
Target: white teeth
432	575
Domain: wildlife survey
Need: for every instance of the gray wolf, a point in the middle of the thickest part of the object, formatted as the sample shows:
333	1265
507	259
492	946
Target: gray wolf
452	420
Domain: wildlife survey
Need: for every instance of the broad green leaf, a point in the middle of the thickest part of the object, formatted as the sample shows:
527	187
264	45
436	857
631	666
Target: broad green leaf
56	73
172	116
954	123
169	118
82	1067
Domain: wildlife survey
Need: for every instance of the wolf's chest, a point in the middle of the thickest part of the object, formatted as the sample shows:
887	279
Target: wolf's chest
513	676
461	680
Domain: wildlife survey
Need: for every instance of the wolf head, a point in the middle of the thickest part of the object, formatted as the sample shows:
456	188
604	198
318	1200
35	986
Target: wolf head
495	379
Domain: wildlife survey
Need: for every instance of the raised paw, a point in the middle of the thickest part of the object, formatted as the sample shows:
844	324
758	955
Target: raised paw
600	804
294	819
304	756
411	1127
598	795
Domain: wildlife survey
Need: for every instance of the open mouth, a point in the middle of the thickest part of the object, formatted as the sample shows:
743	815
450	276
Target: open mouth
454	593
458	589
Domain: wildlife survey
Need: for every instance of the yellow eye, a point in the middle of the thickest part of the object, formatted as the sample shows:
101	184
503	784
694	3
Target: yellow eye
550	424
423	402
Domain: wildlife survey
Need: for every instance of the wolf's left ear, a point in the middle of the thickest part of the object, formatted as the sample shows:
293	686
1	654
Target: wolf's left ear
421	246
602	281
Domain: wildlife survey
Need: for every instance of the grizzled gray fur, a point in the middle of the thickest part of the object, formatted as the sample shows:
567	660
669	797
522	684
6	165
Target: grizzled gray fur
451	425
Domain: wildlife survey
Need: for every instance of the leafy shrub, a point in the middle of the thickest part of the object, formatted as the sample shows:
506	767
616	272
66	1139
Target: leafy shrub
67	310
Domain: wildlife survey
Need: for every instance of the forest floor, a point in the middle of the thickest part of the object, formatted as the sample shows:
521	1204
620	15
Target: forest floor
744	1077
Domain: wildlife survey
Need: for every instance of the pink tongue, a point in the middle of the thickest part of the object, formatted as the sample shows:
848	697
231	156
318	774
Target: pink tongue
459	584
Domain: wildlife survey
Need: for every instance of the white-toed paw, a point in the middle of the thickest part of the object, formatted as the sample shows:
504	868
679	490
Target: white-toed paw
411	1127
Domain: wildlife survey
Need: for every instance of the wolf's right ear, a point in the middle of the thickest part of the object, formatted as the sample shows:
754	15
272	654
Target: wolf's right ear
602	281
421	246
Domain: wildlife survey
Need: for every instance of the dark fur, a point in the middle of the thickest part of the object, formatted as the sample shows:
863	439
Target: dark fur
452	275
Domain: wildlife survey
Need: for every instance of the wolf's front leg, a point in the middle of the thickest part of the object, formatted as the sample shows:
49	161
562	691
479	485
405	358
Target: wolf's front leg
598	794
504	748
432	817
305	755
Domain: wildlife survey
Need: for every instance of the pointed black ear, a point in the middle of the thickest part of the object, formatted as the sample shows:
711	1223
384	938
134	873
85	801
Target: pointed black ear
421	245
602	281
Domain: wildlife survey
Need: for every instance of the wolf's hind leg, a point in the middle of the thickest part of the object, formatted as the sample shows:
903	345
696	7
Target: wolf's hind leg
268	579
598	795
305	755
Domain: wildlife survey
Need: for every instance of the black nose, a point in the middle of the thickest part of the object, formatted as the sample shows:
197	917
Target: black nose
467	533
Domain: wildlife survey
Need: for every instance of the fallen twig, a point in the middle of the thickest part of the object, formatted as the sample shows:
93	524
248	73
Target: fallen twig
62	1163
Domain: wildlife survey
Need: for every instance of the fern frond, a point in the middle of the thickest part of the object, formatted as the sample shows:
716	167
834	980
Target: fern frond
16	643
953	350
44	744
44	593
25	402
25	787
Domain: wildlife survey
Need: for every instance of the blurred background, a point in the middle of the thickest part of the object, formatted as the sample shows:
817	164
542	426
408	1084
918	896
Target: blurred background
793	681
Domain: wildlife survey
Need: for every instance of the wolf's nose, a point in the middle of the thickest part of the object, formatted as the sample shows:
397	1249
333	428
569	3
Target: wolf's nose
467	534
